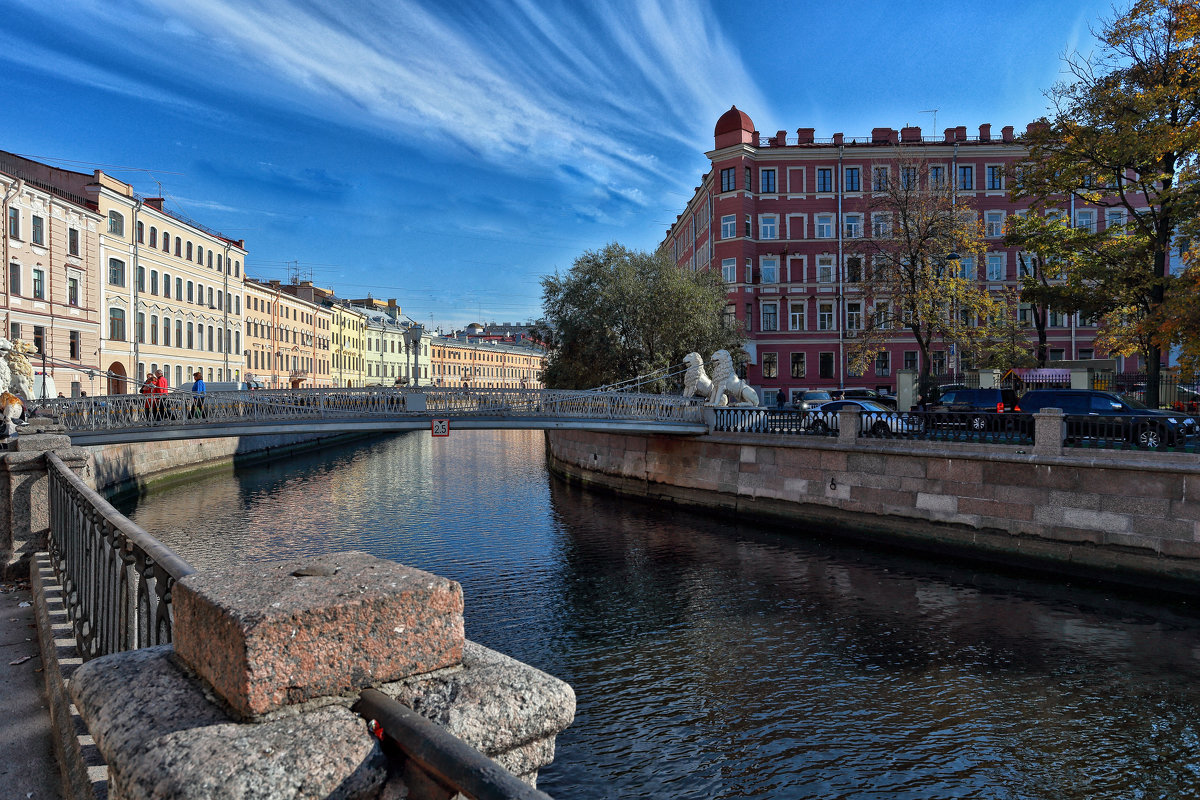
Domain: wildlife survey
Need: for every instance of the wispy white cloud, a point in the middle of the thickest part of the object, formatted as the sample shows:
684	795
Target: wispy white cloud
521	85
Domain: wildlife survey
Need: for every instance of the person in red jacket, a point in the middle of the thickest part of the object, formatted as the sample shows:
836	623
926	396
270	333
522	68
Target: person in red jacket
160	391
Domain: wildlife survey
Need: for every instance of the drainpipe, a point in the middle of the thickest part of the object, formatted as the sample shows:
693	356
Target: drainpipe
137	207
13	191
841	304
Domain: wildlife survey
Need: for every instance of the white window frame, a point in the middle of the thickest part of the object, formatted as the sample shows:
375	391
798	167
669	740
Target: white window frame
1088	214
825	318
824	226
852	225
825	263
797	315
729	270
993	223
762	315
881	225
993	260
854	315
768	226
729	226
768	263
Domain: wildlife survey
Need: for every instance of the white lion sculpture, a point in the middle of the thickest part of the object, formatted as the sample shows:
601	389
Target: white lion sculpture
696	382
727	386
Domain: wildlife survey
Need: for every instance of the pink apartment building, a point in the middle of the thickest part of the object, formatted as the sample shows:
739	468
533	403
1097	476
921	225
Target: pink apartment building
788	222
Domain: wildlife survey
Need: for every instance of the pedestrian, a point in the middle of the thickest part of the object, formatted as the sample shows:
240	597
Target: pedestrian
149	388
780	399
160	392
198	392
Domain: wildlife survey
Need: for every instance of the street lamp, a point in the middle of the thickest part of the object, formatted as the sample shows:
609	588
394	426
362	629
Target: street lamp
412	342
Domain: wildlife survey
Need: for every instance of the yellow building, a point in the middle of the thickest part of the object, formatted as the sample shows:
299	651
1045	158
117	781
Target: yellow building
287	338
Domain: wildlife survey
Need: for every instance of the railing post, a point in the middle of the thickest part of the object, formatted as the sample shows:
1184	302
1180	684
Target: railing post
849	423
1049	431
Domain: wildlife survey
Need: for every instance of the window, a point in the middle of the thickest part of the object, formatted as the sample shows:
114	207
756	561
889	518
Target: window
191	292
191	340
166	242
14	223
749	230
796	316
767	181
166	333
1086	353
825	269
770	270
39	284
39	339
883	315
153	236
116	272
824	180
14	278
910	359
937	180
826	366
116	325
1114	219
140	328
749	316
770	365
210	254
966	268
189	251
853	224
879	179
966	178
854	316
37	231
153	329
729	318
727	180
179	288
994	224
141	279
200	255
749	183
908	177
881	225
116	223
73	242
770	316
1085	219
14	330
824	226
728	226
853	179
938	367
883	364
178	247
995	267
854	269
1056	354
72	290
995	176
797	365
210	298
179	333
768	227
76	346
824	316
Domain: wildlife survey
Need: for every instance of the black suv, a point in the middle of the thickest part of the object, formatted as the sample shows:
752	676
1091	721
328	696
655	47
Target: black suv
985	401
1093	414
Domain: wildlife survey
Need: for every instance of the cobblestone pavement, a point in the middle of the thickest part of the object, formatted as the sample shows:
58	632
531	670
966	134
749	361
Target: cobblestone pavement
27	765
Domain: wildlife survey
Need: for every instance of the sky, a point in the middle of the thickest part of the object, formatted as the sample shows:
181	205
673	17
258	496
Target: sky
450	155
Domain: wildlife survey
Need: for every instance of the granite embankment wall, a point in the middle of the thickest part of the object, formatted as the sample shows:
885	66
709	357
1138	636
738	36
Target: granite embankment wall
1122	516
122	468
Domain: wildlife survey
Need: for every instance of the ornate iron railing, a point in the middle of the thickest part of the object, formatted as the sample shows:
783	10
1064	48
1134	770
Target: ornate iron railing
182	409
116	578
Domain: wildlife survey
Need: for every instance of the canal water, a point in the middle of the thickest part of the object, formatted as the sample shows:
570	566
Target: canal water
722	660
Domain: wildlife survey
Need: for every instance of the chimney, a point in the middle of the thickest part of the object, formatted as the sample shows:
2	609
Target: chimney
838	139
949	135
910	133
882	135
985	132
805	135
1036	126
154	202
960	133
780	139
1007	133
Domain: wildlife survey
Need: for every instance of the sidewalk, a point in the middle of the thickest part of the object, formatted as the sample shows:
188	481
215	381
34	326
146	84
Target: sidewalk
28	768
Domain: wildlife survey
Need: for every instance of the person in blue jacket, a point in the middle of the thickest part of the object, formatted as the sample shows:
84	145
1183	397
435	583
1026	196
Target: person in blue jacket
198	391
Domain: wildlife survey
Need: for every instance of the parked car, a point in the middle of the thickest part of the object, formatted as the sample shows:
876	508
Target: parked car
878	418
987	403
1087	409
862	394
811	398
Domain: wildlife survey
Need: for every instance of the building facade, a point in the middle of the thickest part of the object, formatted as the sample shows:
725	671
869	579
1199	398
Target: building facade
287	338
472	363
788	222
51	246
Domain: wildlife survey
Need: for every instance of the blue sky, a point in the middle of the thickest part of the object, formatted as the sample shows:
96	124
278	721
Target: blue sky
448	155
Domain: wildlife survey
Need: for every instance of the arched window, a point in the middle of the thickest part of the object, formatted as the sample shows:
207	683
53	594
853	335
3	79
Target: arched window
210	297
210	259
166	285
191	294
200	255
141	233
166	242
237	269
153	236
116	223
219	262
178	247
210	338
189	251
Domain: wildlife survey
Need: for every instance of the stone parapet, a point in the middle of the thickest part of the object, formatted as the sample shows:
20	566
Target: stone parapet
1129	517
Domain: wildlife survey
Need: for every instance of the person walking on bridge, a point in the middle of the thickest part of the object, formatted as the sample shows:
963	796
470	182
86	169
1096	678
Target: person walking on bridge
160	394
198	393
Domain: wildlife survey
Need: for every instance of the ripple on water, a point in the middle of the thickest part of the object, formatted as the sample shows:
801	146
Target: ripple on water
713	660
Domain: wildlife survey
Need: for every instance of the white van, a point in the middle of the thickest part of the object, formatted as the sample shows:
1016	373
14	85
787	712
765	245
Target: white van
43	386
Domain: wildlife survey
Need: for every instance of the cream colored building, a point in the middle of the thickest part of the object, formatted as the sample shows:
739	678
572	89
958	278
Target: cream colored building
169	289
287	338
51	248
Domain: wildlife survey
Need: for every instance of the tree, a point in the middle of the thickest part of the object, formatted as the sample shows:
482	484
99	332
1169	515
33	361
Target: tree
914	269
620	313
1125	134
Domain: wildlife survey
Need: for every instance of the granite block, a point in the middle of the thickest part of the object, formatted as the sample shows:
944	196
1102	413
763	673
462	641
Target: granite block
268	635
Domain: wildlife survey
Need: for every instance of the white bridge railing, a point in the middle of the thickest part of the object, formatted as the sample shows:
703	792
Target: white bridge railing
183	409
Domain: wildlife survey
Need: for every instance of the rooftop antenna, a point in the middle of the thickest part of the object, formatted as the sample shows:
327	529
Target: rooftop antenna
934	112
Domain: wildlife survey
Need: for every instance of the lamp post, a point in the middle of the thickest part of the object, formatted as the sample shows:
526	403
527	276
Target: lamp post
412	342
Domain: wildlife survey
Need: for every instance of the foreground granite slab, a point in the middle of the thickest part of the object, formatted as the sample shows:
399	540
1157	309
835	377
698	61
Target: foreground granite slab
269	635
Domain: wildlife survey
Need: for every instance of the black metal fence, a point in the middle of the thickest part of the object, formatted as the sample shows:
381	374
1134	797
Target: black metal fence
1173	394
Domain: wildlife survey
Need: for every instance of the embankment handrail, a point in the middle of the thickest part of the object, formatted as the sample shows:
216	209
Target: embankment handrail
441	756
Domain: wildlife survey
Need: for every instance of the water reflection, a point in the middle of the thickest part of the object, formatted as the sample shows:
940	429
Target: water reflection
718	660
